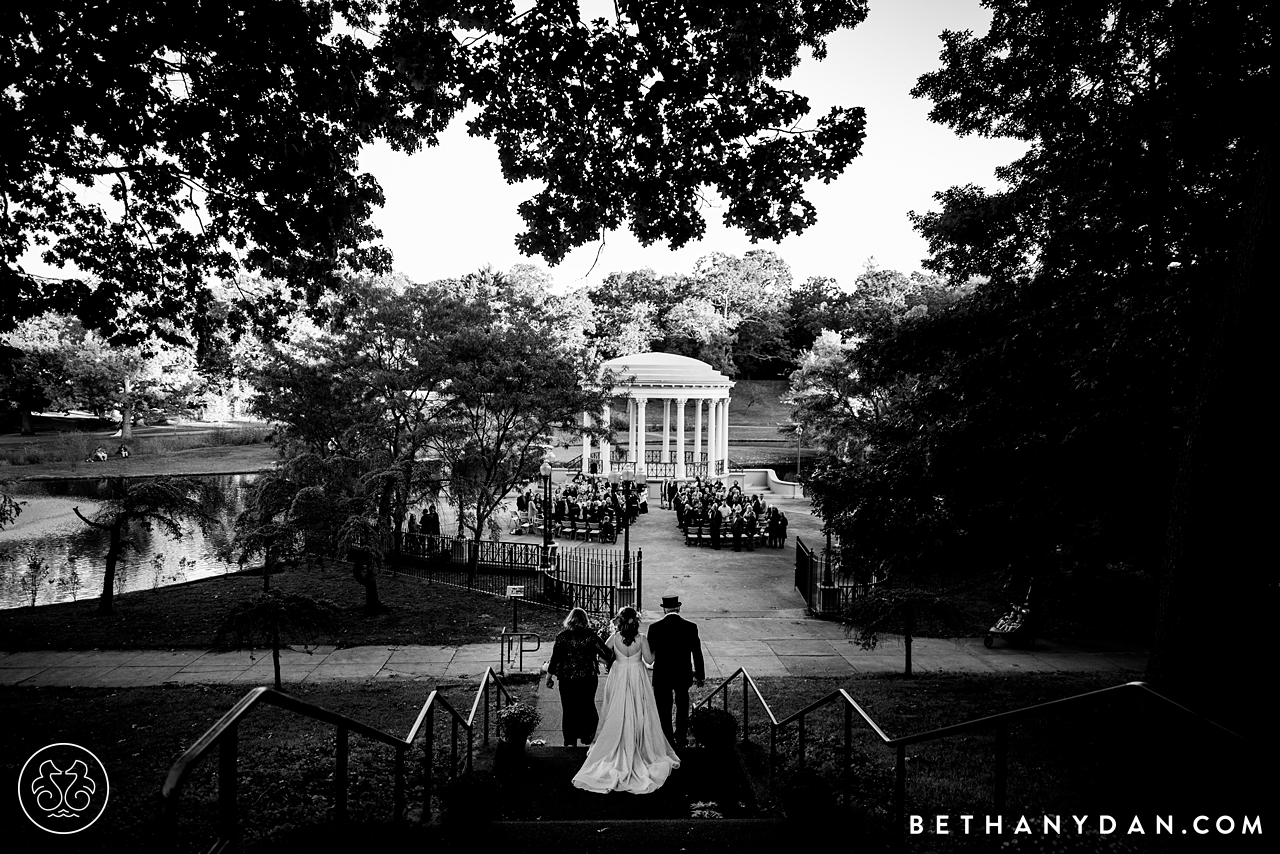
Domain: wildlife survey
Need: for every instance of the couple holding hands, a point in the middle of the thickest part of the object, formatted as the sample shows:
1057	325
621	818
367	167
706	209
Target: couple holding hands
632	739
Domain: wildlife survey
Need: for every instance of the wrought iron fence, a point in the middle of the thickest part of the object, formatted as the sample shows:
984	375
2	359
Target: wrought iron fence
826	590
583	577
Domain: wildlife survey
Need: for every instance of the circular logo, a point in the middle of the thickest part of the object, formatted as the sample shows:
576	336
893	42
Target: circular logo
63	788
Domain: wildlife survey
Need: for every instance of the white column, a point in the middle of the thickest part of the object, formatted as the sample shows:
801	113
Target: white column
697	431
724	436
606	450
640	406
631	430
713	412
586	443
666	429
680	473
713	415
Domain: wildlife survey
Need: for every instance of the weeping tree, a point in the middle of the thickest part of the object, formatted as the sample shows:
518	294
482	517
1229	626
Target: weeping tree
365	541
273	616
900	610
283	513
170	503
264	527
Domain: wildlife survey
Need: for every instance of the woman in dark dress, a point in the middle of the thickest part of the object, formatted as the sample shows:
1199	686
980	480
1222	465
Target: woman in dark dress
574	659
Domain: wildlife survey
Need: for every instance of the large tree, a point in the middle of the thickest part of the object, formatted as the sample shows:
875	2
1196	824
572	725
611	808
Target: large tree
153	146
31	369
731	312
382	358
53	362
1111	360
515	377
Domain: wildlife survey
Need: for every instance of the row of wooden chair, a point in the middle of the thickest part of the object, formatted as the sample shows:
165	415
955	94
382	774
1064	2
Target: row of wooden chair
589	531
700	535
527	523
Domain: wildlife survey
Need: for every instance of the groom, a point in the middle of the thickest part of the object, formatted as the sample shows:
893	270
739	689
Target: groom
674	642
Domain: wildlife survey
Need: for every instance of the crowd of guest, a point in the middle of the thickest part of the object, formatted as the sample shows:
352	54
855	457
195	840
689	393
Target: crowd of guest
719	514
725	513
585	503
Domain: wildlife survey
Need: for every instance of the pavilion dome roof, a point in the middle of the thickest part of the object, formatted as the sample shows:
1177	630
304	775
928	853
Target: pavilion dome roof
666	370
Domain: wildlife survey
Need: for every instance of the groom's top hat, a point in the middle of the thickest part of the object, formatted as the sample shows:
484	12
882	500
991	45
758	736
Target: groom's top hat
671	601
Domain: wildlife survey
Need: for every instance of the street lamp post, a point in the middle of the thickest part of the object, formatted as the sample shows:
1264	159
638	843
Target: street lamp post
545	471
799	430
626	478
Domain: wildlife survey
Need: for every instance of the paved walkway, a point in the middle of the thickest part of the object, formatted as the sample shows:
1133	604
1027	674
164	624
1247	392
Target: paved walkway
785	645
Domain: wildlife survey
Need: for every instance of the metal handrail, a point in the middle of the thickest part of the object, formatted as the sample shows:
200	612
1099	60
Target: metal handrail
506	642
1000	722
225	734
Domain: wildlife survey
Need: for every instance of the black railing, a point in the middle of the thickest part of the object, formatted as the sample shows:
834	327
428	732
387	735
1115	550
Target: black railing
493	554
586	577
225	736
826	591
999	722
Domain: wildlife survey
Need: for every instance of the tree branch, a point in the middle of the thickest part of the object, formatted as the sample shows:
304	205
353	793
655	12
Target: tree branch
89	522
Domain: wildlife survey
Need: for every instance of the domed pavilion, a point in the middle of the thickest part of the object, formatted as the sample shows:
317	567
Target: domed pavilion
651	383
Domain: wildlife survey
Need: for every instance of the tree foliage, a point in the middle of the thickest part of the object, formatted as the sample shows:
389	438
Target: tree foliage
731	312
513	379
51	361
10	509
460	381
153	147
1055	404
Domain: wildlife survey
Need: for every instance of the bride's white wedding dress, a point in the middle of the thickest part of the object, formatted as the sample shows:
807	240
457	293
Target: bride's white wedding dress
630	752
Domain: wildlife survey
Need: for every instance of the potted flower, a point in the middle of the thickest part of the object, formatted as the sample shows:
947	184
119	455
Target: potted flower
517	722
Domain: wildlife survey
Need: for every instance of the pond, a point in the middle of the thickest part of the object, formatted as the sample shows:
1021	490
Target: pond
69	564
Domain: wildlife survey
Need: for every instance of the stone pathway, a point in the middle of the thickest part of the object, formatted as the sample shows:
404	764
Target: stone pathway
780	646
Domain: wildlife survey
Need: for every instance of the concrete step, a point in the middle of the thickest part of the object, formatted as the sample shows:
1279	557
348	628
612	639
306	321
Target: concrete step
586	836
542	790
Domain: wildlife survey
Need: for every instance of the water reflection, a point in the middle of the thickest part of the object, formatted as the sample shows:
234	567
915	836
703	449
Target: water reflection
70	566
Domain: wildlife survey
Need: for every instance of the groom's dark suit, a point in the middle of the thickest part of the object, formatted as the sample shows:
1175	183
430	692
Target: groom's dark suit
677	662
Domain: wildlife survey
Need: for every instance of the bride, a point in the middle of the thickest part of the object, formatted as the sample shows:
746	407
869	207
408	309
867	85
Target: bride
630	752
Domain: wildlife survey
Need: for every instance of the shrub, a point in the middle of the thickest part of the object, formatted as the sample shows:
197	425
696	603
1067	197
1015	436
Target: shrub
713	728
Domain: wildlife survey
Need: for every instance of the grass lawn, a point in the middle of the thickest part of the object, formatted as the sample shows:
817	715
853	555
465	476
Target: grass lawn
1122	761
205	453
188	615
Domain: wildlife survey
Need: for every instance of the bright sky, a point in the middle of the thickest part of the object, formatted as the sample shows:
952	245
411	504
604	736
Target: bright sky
449	211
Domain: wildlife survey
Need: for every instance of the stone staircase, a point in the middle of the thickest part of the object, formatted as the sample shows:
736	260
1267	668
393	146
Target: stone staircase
707	805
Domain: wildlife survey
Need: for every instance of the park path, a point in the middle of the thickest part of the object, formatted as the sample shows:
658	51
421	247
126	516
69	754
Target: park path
786	645
745	604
